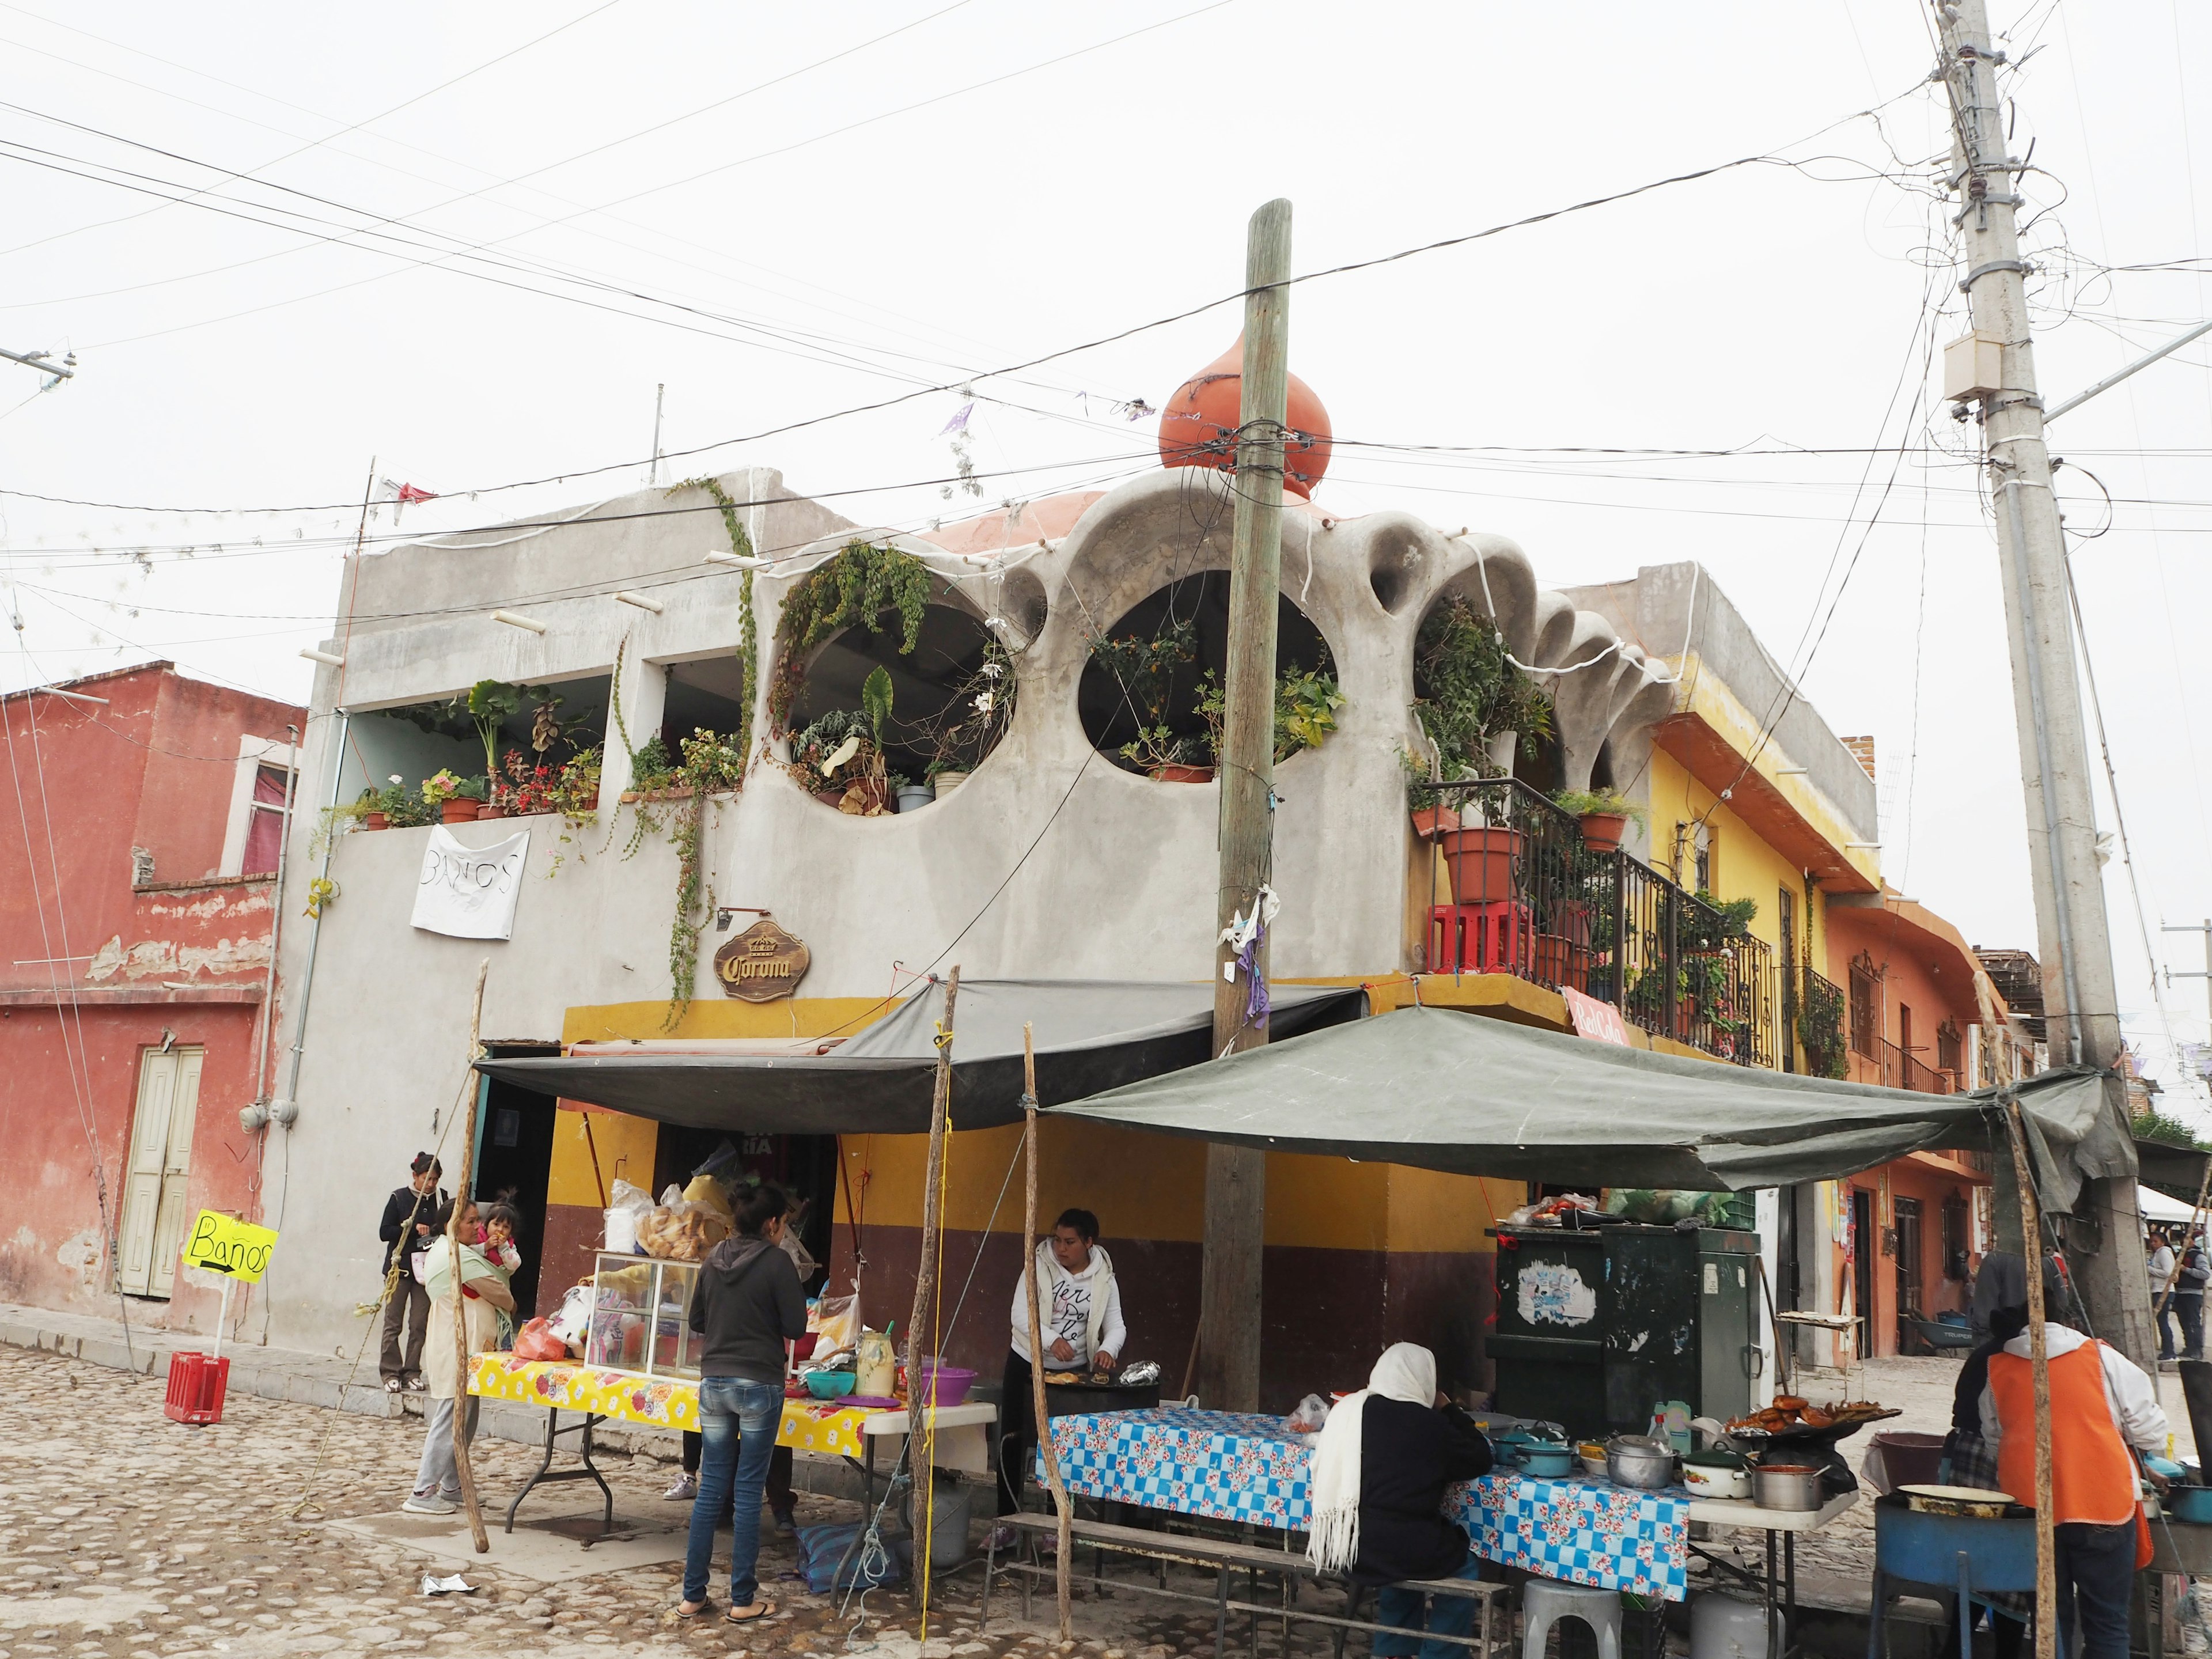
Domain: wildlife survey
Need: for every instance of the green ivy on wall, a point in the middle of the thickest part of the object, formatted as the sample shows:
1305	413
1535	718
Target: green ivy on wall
855	588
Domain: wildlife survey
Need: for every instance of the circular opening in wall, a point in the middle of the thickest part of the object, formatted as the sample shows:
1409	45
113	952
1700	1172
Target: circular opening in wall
951	699
1486	717
1150	695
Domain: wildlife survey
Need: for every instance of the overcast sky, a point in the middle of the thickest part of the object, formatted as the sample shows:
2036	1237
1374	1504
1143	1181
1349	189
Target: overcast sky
783	213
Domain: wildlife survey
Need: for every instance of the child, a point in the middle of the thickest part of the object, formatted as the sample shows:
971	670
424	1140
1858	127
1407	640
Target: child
500	1221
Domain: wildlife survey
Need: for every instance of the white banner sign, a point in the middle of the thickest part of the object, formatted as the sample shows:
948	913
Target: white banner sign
469	892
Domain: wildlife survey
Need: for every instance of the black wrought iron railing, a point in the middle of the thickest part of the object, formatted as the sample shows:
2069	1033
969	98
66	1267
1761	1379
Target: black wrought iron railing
1519	890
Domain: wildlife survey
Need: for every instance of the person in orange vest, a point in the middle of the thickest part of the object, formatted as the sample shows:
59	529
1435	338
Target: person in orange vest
2104	1411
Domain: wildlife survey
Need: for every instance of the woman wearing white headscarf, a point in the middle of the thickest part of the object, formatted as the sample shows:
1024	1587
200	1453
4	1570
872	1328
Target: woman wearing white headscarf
1386	1456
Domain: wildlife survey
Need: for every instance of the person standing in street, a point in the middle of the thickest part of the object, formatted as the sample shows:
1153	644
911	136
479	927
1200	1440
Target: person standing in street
410	1217
2104	1413
458	1270
2189	1296
2160	1268
747	1305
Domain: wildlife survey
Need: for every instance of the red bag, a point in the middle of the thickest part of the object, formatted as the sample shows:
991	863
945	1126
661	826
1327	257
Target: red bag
536	1341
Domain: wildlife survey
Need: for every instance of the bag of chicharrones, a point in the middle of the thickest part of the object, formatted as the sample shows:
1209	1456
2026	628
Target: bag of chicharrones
1312	1412
680	1229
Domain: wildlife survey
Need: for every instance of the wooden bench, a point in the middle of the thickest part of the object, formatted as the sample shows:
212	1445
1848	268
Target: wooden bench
1224	1559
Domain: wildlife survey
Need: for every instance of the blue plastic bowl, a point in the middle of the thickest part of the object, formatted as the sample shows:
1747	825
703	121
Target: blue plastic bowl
829	1385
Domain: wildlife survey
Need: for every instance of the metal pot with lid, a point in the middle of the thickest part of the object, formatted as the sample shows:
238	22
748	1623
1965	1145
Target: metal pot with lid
1638	1461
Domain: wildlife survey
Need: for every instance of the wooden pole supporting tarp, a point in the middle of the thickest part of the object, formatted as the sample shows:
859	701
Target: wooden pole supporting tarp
2039	1359
925	1282
1037	1331
453	1247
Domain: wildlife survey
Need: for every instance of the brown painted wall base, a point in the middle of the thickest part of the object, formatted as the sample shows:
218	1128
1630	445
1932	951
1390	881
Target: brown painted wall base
1326	1314
573	1235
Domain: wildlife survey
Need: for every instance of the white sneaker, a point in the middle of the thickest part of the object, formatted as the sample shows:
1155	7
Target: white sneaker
428	1504
686	1488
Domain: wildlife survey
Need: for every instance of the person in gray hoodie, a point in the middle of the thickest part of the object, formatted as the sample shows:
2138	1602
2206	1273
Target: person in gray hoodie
748	1304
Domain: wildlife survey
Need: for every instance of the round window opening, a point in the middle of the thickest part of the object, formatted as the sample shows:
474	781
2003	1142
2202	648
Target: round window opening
881	729
1151	694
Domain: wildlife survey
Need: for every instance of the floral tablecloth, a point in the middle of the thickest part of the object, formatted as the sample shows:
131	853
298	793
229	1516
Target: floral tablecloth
1234	1467
660	1403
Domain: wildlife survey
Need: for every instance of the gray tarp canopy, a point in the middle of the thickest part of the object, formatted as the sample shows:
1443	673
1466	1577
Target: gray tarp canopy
1471	1095
1092	1036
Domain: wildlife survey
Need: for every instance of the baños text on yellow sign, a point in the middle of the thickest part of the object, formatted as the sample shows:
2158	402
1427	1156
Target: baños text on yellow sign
221	1245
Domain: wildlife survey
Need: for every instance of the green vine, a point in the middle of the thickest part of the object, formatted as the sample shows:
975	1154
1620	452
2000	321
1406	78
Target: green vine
856	587
749	629
689	836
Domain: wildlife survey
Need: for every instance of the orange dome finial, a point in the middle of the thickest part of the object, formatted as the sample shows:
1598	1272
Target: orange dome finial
1197	428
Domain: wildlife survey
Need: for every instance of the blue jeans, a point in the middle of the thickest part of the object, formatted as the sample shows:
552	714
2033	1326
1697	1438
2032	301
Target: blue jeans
737	1424
1447	1615
2096	1576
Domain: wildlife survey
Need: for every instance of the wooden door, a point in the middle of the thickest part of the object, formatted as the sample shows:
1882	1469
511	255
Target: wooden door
160	1170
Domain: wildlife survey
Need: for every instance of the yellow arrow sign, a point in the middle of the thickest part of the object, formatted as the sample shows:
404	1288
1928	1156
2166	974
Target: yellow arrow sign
222	1245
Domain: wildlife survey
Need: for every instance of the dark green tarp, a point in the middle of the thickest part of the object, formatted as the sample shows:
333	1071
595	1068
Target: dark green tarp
1441	1090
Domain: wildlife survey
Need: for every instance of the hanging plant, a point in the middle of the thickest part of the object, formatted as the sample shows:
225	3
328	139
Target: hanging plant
748	626
856	589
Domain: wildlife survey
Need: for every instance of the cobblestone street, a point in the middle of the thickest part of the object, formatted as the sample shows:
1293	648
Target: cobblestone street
127	1533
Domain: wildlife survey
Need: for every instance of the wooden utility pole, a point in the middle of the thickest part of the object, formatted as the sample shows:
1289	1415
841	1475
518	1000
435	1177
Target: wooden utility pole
1994	369
460	1302
1039	1415
1236	1176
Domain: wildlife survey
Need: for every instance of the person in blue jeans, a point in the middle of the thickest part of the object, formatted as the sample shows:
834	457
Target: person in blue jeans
1386	1456
747	1305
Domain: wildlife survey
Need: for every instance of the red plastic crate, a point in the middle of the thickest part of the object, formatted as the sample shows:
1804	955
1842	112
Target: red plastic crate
197	1384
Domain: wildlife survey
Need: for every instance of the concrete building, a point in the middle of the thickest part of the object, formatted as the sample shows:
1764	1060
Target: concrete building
1051	859
138	896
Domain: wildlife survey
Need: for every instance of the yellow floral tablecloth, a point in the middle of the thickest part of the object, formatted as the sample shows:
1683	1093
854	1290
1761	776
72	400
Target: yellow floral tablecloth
660	1403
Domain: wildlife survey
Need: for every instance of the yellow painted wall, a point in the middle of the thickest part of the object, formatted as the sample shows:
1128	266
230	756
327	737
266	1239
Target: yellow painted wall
1748	867
626	1147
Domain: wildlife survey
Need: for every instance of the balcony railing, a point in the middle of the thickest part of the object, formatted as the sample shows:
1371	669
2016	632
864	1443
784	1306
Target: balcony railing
1893	1068
1533	900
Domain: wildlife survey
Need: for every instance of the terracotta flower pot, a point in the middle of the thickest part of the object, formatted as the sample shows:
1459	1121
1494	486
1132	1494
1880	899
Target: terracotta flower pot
1575	922
1176	772
1601	831
457	811
1481	863
491	810
374	821
1430	820
1560	960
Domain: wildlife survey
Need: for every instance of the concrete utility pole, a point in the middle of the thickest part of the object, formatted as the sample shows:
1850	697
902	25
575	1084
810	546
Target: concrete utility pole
1236	1176
1995	367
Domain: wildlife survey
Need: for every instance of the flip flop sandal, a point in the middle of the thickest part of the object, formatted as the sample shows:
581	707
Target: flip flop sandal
734	1617
676	1615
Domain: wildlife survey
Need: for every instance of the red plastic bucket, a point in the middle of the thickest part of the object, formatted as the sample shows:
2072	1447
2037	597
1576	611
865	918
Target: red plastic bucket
197	1384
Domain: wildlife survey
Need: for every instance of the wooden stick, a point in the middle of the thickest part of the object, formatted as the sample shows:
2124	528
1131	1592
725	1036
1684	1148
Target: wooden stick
940	1102
454	1249
2039	1356
1037	1331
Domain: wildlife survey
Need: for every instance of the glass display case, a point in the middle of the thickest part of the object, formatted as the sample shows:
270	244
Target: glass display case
640	1316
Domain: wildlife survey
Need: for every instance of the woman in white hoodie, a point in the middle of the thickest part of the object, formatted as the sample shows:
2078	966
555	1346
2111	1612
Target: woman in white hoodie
1080	1314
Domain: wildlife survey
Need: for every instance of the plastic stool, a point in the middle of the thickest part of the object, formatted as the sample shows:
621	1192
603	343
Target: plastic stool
1545	1601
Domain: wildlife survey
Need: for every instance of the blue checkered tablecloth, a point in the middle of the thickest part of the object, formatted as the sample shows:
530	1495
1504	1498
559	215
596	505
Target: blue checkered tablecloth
1234	1467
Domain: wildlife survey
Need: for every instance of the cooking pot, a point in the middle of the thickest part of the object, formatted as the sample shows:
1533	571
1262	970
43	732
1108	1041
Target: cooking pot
1638	1461
1786	1487
2189	1505
1546	1461
1715	1474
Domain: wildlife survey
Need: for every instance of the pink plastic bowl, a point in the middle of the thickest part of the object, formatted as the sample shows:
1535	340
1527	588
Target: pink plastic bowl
947	1385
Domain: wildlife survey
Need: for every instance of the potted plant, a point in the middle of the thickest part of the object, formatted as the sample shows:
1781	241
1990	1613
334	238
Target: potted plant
1605	815
1165	757
444	794
944	778
912	796
1468	694
1423	800
1482	860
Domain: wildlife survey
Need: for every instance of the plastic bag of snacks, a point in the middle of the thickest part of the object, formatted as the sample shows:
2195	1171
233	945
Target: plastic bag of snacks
1312	1412
682	1231
837	1319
